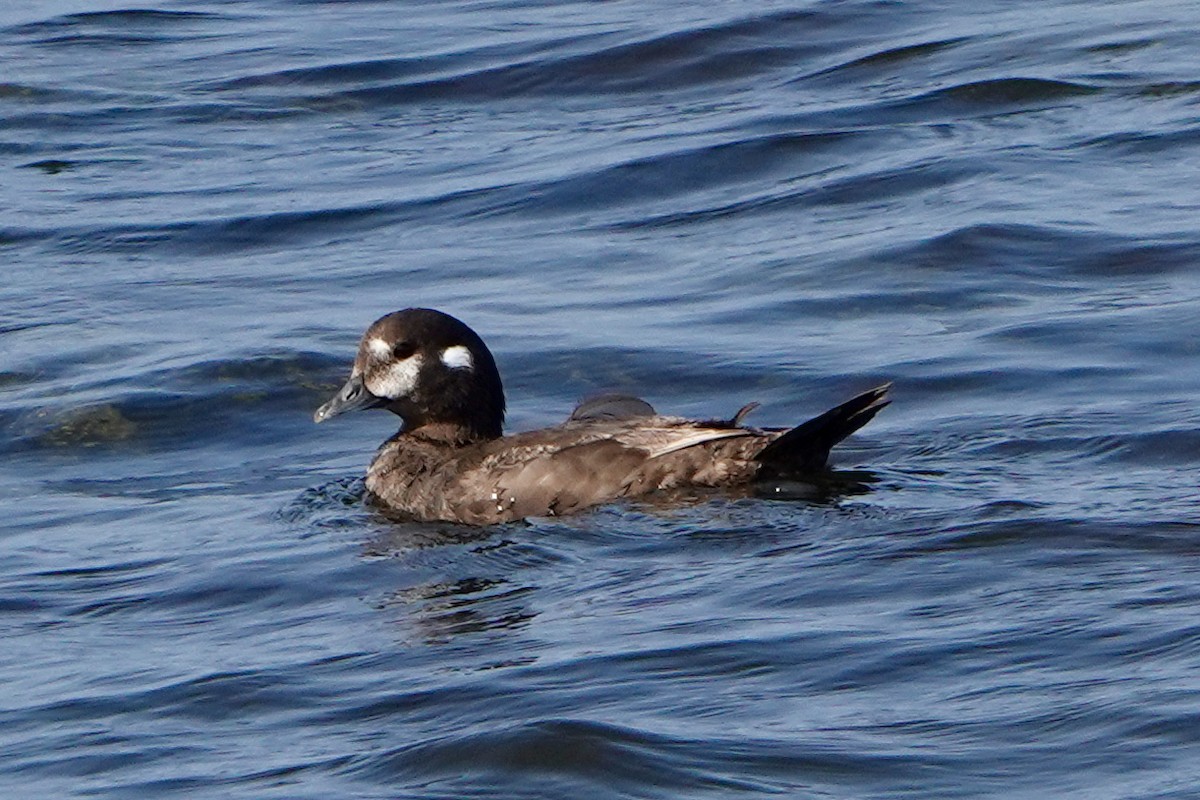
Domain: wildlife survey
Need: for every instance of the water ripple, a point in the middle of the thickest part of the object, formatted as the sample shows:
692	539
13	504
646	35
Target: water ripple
701	204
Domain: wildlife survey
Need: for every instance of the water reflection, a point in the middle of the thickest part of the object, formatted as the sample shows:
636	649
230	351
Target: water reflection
443	610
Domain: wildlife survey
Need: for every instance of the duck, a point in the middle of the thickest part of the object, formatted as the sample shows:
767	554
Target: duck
451	461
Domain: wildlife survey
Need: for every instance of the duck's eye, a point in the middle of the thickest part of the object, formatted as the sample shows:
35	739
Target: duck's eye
402	350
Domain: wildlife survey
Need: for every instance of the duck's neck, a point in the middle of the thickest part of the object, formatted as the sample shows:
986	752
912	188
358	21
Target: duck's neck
447	433
437	421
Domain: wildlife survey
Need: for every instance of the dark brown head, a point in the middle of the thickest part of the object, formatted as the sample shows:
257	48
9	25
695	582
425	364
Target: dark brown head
429	368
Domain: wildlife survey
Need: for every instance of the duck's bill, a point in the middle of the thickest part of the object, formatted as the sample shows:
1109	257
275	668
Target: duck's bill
351	397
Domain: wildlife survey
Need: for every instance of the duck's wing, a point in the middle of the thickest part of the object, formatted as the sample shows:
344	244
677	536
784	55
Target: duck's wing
577	465
661	440
546	481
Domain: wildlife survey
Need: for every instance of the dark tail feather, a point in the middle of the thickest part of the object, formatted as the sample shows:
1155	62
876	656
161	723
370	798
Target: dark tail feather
805	448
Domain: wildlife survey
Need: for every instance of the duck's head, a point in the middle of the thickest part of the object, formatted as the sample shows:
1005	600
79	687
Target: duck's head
430	369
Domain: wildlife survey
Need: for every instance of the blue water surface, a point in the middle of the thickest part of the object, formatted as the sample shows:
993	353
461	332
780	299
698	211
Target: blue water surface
203	203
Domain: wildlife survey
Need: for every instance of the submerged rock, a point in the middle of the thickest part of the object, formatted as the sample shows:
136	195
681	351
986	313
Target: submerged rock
86	427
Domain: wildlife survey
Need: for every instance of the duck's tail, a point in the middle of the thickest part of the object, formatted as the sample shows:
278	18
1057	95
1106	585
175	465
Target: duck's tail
805	448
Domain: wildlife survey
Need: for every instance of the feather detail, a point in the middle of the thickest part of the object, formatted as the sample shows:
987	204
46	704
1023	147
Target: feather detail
690	438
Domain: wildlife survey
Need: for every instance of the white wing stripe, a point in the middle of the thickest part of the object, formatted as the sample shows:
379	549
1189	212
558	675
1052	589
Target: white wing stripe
693	438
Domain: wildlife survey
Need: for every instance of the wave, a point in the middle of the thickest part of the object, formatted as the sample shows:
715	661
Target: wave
247	398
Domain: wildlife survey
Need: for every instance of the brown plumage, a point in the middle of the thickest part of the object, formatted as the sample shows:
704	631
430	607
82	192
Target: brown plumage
450	462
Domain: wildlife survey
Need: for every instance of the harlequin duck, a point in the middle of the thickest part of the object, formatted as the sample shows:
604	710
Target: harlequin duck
450	460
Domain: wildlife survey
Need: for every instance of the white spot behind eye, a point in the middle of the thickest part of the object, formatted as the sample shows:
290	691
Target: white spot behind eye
379	348
398	380
458	357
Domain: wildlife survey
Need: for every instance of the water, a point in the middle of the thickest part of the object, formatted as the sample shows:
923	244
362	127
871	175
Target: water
204	203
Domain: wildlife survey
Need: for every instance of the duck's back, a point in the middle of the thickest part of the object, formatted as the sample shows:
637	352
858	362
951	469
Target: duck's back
558	470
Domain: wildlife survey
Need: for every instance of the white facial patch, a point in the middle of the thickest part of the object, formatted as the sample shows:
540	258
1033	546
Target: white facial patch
398	380
458	357
380	349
